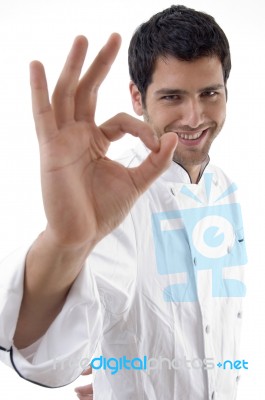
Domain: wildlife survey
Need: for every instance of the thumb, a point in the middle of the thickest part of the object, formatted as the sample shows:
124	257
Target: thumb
156	163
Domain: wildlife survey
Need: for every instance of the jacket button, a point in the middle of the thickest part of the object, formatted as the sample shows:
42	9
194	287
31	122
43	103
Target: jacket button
207	329
173	191
229	249
215	180
239	314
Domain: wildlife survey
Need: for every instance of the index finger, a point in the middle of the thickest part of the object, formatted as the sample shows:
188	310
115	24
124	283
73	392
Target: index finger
122	123
42	111
86	95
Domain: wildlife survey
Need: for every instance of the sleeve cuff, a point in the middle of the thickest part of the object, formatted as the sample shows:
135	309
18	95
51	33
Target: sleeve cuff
65	350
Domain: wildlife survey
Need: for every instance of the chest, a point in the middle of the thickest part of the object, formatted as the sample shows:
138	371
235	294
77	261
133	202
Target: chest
190	242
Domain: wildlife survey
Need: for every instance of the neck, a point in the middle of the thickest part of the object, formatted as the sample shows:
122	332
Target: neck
195	171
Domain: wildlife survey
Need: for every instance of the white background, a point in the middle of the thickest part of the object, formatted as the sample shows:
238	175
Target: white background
44	30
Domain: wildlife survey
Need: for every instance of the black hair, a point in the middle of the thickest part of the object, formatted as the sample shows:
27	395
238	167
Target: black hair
180	32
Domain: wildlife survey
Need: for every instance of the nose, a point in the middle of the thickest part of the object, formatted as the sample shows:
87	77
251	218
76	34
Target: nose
192	113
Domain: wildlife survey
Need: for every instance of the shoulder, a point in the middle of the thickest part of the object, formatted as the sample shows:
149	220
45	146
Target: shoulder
220	185
219	174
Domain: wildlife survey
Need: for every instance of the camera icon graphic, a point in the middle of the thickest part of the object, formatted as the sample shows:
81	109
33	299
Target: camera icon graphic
202	238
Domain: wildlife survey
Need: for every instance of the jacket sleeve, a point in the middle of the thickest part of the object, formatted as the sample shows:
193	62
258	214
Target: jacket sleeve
97	300
59	357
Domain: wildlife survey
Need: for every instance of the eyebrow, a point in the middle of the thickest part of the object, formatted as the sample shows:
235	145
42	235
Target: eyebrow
170	91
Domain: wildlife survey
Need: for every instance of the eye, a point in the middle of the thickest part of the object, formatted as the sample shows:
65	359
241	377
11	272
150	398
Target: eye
171	97
209	93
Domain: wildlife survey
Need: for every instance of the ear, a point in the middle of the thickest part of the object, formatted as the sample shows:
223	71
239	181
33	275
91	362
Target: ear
136	99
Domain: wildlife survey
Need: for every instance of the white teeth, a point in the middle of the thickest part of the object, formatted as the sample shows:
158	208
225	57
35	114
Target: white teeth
190	137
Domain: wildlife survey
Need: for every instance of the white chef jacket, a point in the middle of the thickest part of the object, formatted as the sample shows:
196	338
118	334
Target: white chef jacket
166	285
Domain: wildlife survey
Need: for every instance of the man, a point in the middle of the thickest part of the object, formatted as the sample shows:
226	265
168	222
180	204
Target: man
146	285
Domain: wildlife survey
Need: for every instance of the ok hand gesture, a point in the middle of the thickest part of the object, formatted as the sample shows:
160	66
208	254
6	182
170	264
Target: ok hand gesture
85	194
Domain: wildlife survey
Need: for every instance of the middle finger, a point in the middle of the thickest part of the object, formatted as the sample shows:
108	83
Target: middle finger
63	98
86	96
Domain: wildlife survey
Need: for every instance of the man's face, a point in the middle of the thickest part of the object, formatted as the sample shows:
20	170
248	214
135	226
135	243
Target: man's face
188	98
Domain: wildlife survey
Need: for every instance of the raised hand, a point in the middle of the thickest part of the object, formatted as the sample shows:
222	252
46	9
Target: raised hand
85	194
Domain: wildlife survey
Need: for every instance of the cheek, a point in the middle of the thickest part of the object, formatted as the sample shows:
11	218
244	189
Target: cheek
222	110
156	119
162	117
217	114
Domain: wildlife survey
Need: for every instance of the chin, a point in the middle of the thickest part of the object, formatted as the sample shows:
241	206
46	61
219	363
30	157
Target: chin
191	159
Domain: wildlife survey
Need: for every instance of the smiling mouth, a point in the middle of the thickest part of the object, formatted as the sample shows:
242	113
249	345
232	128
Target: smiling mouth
189	136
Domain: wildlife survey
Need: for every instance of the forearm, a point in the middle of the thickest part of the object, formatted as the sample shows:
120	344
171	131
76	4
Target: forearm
49	274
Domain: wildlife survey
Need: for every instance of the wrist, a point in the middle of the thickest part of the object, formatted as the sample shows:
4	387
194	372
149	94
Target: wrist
51	241
52	267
